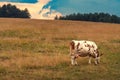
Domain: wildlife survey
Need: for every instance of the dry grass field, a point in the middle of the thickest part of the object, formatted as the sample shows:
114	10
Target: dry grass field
39	50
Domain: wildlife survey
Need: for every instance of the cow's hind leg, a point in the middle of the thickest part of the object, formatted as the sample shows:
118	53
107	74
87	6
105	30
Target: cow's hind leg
96	59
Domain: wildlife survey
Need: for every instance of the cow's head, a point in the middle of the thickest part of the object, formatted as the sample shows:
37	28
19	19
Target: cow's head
72	45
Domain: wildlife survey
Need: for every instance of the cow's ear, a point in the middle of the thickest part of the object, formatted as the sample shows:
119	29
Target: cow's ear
72	45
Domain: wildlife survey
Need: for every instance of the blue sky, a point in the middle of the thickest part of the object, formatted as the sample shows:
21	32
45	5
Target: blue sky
21	1
85	6
75	6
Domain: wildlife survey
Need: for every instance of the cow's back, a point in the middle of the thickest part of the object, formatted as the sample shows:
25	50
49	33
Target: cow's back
84	46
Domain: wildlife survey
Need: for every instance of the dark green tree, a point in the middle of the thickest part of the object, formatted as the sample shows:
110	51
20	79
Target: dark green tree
11	11
95	17
24	13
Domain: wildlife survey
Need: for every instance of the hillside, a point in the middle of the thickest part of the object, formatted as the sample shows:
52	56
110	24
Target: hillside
39	50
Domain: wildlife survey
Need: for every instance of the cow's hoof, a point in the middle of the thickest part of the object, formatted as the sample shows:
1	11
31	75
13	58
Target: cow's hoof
89	62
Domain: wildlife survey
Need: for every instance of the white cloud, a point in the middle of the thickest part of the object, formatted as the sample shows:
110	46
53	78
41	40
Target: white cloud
36	10
48	13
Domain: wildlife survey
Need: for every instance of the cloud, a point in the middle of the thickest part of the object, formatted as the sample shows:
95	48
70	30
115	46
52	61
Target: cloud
36	9
48	13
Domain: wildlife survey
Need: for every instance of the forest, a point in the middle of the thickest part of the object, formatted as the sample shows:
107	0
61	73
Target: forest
11	11
94	17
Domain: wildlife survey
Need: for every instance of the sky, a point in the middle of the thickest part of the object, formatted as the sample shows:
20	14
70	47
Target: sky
48	9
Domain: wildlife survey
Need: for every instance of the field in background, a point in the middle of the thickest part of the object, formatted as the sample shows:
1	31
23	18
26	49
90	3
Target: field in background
39	50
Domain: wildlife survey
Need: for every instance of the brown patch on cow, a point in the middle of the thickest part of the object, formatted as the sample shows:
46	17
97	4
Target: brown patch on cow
78	45
93	46
72	45
88	45
81	48
82	54
89	49
92	55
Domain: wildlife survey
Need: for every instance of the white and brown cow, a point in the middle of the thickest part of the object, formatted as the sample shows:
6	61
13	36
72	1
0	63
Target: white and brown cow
84	48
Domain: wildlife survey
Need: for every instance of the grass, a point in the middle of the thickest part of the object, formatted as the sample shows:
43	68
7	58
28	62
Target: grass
39	50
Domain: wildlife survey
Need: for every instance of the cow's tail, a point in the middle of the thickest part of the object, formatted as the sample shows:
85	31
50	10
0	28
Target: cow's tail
99	53
72	47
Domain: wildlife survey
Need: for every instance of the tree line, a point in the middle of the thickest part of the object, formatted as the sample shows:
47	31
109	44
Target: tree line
95	17
11	11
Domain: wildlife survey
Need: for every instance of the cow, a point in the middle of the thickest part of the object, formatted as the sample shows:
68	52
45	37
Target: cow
84	48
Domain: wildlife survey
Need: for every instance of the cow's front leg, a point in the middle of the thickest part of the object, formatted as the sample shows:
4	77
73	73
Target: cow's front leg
73	60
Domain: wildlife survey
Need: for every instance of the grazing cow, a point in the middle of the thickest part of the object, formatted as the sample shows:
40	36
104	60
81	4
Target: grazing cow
84	48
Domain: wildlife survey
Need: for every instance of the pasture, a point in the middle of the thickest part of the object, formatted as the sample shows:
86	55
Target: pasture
39	50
